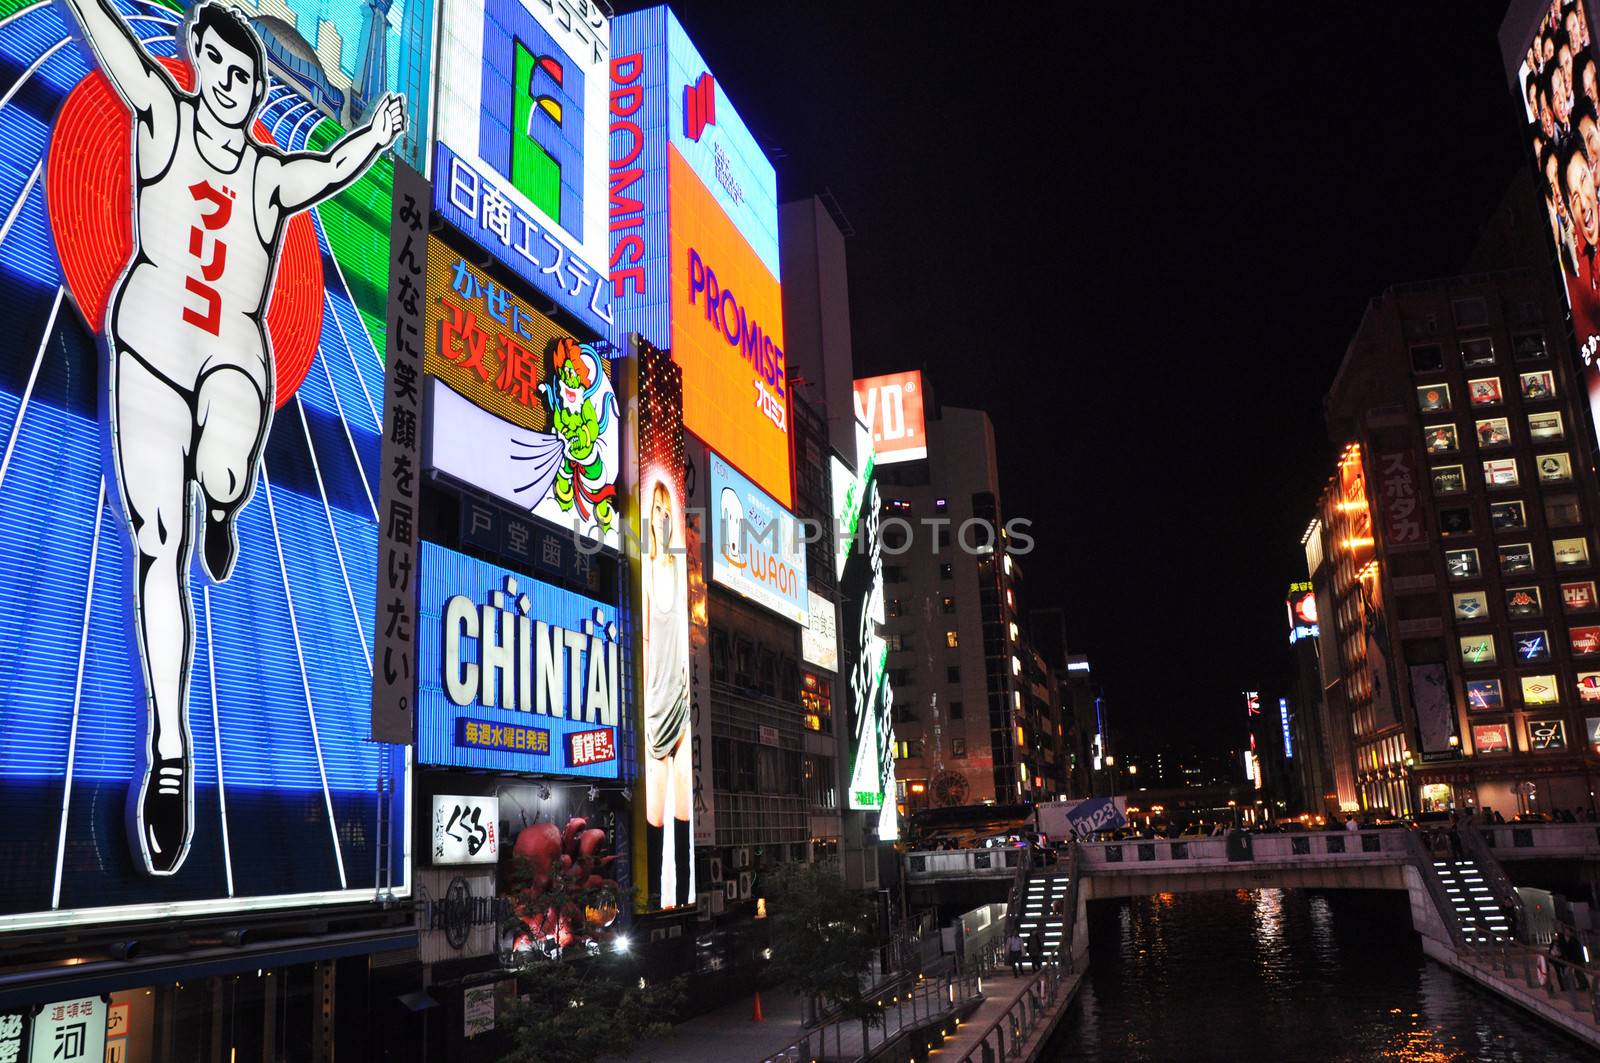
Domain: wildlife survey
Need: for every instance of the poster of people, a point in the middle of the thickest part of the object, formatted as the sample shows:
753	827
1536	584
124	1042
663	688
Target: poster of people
1559	83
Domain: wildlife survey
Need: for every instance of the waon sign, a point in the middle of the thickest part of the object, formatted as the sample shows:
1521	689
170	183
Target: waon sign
1397	488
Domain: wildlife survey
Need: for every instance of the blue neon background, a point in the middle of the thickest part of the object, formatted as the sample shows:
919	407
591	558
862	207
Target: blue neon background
280	838
445	574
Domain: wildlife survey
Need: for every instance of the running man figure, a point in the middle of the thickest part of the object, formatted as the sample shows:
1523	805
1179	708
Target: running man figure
192	390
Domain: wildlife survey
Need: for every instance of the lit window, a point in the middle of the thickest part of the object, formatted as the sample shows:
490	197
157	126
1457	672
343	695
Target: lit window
947	604
1539	690
1021	740
951	639
1013	631
1016	666
1570	552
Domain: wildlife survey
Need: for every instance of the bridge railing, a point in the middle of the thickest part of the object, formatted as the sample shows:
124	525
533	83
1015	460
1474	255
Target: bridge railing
1004	1038
930	864
1142	854
1525	841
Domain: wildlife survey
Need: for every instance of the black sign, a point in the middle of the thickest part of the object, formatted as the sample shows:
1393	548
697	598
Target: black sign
521	541
460	911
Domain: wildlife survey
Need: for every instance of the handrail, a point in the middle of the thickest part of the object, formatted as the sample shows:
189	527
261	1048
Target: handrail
1019	1020
1069	910
1574	983
1019	887
936	999
1422	859
1505	890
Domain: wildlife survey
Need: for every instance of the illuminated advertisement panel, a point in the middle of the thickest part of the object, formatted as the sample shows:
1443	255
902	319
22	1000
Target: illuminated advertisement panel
669	807
520	160
694	250
1301	603
819	643
515	674
1551	59
872	783
756	547
518	407
189	479
892	406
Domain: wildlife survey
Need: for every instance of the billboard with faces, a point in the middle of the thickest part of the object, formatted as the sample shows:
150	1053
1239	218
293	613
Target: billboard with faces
1551	58
190	483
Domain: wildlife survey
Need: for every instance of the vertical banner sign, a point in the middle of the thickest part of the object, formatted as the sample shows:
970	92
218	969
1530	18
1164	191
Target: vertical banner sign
696	488
1402	518
1430	694
664	607
394	673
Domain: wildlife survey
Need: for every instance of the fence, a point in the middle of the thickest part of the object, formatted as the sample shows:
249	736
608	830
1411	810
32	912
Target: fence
1005	1036
1559	979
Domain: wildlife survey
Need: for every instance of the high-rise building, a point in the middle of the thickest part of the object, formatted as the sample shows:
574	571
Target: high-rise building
1456	585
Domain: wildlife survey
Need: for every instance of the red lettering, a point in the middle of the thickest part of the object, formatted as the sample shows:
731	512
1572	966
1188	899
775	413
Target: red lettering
633	153
622	205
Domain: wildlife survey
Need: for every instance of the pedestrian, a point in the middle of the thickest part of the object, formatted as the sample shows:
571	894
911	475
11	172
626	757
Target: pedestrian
1059	908
1350	823
1499	820
1014	953
1554	953
1455	839
1036	950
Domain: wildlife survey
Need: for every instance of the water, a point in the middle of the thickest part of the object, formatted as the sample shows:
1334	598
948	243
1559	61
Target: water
1286	976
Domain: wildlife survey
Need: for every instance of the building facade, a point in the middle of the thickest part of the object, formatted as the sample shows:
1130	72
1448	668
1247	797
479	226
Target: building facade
1456	548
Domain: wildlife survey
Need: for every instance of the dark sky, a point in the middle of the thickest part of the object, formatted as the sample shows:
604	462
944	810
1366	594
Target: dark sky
1141	241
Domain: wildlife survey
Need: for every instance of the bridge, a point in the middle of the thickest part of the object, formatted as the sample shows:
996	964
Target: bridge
1463	905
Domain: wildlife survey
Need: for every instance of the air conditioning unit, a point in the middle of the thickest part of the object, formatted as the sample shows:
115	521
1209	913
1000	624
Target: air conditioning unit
702	907
730	890
716	869
719	902
741	857
747	883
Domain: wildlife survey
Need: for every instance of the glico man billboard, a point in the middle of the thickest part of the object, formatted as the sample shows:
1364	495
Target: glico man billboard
694	244
195	261
1550	57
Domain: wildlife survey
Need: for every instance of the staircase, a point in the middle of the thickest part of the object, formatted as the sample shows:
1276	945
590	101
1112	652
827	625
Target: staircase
1043	888
1476	910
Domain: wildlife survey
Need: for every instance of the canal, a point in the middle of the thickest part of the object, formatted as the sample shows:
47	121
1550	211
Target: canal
1287	976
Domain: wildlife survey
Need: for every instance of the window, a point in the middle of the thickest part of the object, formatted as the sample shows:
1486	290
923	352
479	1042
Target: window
1485	695
1507	515
1434	398
1524	601
941	504
947	604
1539	690
893	608
1561	511
1429	359
944	538
1546	427
1477	650
1494	432
1455	521
958	748
894	643
1570	553
1501	472
1440	438
957	710
1470	311
1516	557
952	674
893	573
1546	734
816	704
1554	468
1585	641
899	677
1527	346
1470	605
817	771
719	655
1449	480
1462	564
1485	391
951	639
1533	647
1536	386
1578	597
947	570
1478	350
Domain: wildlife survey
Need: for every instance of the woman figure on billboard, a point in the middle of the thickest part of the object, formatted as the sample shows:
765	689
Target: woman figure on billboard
668	766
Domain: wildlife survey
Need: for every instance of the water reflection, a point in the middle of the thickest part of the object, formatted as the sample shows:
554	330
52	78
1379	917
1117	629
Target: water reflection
1287	976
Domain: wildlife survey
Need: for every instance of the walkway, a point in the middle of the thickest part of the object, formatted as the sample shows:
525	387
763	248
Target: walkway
999	994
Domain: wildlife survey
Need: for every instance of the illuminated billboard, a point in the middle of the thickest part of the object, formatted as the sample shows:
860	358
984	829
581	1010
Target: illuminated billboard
519	163
756	546
518	407
872	783
1551	58
189	480
892	406
819	642
1301	603
516	675
672	785
694	247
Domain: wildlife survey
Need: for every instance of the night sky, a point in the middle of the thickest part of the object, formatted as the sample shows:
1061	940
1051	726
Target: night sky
1141	240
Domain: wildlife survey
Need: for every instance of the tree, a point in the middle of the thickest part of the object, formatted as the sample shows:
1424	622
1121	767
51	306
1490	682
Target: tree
822	940
584	1010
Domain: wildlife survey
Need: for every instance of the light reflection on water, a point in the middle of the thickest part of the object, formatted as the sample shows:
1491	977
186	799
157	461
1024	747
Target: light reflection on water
1286	976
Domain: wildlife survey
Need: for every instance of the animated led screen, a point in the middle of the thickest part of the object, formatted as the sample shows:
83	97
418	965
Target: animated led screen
188	485
1551	58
